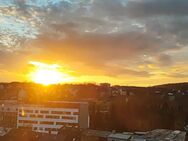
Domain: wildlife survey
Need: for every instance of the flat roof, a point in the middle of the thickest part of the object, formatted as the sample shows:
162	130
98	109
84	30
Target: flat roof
158	134
56	104
120	136
96	133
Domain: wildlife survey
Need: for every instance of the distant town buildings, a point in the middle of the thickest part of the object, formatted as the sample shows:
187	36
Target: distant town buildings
100	107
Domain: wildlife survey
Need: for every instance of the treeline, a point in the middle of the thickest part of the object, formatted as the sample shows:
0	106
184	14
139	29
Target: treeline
143	113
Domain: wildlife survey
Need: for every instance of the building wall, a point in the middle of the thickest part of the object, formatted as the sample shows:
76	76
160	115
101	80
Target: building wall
90	138
8	113
8	119
84	116
49	120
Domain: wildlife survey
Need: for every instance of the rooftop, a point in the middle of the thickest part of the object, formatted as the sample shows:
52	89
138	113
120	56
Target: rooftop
155	135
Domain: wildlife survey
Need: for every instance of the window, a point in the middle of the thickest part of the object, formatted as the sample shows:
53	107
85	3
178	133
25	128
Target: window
61	112
66	124
52	117
40	128
33	116
47	122
28	121
76	113
44	112
28	111
35	128
68	117
40	116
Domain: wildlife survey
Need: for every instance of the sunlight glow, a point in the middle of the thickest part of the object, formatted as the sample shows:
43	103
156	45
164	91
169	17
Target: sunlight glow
47	74
23	112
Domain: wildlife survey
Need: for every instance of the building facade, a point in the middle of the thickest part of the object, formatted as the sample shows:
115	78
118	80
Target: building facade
52	116
8	113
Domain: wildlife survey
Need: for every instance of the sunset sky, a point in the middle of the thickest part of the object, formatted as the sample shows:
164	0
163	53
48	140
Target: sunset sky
127	42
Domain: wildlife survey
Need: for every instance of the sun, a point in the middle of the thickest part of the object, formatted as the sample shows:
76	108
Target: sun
47	74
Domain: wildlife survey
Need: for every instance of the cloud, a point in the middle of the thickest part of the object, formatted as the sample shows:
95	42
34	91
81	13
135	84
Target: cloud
143	8
109	7
164	60
123	72
102	46
99	52
178	75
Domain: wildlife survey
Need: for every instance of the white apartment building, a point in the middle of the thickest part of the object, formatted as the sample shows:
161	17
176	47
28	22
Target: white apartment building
50	117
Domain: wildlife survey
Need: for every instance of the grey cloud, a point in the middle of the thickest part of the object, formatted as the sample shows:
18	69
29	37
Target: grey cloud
164	60
163	18
169	27
7	60
108	7
65	28
110	46
120	71
157	7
